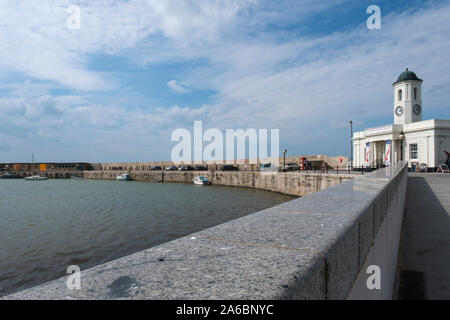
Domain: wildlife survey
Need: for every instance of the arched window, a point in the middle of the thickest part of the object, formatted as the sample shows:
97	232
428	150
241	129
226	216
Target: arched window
399	95
415	93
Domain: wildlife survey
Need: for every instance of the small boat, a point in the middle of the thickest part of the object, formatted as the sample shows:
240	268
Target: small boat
123	177
201	180
8	175
36	178
75	177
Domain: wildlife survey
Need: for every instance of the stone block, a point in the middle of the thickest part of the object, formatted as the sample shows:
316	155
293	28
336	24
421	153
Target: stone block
380	208
366	234
342	264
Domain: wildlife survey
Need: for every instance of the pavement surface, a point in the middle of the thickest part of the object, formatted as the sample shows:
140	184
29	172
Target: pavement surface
424	255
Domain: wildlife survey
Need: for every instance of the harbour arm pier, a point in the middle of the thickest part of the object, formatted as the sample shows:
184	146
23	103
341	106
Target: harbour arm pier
315	247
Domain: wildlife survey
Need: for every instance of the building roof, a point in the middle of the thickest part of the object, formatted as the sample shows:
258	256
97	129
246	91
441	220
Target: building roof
407	75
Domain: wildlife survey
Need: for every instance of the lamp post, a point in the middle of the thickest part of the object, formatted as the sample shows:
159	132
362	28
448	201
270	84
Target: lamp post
401	136
351	145
284	160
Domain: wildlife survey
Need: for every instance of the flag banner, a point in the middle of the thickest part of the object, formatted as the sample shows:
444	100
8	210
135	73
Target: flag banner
367	155
387	153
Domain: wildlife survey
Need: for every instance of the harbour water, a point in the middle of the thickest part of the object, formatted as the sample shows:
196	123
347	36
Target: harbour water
46	226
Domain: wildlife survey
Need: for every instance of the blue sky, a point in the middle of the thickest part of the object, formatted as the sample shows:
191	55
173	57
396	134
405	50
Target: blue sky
136	70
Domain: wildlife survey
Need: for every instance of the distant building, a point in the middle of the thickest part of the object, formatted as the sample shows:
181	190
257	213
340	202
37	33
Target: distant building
420	142
44	167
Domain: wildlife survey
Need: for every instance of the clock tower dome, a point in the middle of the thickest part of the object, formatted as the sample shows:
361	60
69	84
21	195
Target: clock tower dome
407	98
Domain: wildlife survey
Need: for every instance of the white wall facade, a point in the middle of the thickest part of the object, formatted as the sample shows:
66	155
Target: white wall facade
412	139
429	138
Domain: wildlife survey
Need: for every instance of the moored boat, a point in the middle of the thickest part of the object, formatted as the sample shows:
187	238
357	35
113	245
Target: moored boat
201	180
36	178
8	175
123	177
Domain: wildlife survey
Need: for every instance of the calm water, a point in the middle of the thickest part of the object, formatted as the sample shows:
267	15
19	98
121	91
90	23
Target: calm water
46	226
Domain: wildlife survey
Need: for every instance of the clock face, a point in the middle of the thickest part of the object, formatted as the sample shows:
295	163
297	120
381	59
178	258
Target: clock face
399	110
417	109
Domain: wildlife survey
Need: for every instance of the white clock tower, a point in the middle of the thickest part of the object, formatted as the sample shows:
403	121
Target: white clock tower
407	98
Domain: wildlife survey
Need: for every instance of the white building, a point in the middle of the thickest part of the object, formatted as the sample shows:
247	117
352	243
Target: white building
420	142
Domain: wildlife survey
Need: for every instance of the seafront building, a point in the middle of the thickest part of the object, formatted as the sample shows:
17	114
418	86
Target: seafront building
423	143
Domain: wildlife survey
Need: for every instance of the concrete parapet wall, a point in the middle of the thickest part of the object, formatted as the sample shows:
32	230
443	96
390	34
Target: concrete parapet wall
313	247
382	244
298	184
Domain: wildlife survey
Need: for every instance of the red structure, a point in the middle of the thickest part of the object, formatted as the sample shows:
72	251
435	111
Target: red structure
303	163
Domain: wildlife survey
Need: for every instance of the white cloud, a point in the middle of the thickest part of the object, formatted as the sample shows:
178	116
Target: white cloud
37	42
305	81
175	86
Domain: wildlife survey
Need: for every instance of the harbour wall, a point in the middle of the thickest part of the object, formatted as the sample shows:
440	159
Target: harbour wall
291	183
49	174
315	247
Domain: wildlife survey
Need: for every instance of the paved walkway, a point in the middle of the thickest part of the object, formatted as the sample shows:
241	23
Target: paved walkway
424	255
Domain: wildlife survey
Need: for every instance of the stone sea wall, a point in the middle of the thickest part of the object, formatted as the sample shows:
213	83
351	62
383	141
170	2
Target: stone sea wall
319	246
297	184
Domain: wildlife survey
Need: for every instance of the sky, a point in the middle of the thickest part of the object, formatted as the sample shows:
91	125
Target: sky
117	87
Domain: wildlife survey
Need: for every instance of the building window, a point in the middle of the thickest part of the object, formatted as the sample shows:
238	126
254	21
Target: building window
413	151
415	93
399	95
